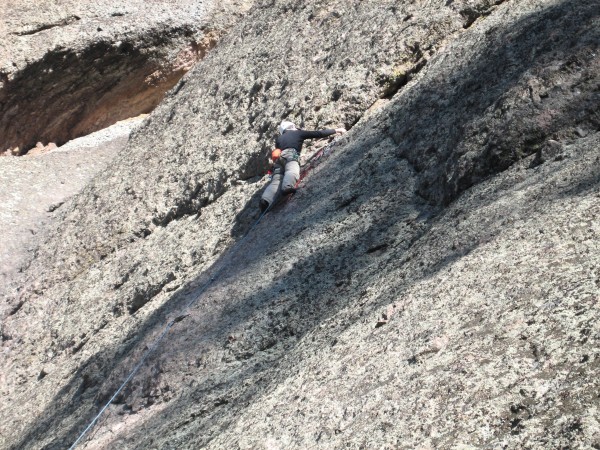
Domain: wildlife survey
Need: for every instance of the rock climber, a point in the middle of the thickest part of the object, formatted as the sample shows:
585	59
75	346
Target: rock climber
286	156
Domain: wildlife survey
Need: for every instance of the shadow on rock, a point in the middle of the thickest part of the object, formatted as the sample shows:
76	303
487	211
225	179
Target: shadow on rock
354	220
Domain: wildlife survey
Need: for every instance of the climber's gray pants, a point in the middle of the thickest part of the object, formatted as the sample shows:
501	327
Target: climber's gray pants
286	167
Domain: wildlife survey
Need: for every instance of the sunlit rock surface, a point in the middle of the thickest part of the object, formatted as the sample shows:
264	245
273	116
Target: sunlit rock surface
433	284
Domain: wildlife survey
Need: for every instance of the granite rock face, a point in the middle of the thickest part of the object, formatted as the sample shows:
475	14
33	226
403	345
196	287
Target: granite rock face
35	186
69	68
433	284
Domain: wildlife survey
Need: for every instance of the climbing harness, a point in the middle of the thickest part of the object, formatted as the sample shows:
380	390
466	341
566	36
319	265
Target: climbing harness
312	162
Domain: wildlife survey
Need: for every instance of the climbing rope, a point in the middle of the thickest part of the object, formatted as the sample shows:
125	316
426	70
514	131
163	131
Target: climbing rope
308	165
313	161
162	335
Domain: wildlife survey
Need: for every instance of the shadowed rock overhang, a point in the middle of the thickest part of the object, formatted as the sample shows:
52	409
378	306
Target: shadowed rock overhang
71	92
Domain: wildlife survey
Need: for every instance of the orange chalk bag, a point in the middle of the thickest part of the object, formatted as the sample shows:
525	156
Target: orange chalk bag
275	154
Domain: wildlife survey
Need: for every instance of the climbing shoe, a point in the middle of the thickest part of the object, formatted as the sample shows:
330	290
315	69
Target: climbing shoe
263	205
287	191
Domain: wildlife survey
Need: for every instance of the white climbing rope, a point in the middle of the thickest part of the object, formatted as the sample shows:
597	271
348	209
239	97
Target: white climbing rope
323	152
158	340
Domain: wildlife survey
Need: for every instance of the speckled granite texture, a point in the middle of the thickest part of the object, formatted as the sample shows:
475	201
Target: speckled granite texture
433	284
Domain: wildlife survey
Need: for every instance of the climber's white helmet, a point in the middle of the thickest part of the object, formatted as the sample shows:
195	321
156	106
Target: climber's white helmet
286	126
